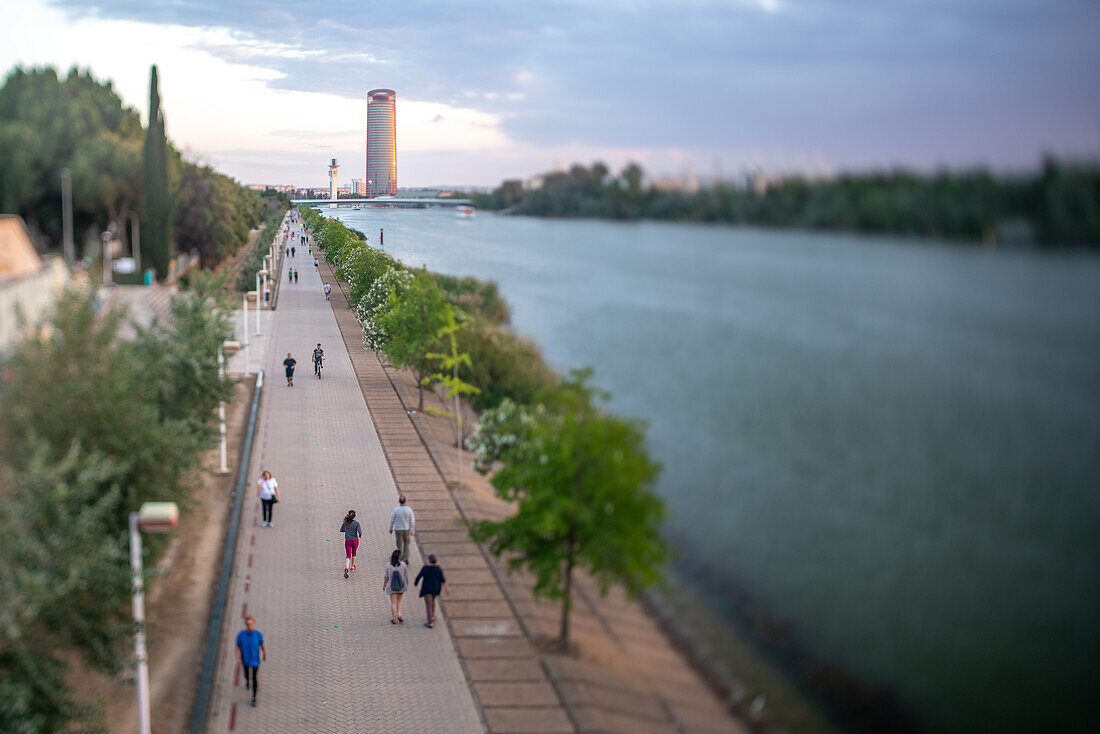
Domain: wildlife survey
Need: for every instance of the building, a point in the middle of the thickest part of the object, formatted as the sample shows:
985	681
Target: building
381	142
29	287
358	187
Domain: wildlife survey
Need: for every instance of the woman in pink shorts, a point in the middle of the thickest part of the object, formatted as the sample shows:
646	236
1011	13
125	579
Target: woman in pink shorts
352	533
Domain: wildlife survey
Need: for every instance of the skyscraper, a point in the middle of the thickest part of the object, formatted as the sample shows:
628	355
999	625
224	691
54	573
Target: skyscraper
381	142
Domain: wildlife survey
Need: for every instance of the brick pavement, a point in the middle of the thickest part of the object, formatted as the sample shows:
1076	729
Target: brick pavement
335	662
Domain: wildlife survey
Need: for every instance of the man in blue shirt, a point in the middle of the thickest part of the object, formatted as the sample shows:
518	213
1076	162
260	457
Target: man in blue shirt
250	643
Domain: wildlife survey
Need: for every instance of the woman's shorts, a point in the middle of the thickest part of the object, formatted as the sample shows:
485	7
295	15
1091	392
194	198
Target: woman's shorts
350	546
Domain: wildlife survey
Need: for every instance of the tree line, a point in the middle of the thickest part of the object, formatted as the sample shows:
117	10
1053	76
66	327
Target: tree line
579	476
91	426
49	123
1058	206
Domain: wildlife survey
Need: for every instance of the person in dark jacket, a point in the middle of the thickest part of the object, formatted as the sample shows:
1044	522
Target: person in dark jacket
433	582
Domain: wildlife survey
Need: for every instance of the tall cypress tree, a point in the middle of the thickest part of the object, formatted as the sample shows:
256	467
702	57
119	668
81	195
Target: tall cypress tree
157	237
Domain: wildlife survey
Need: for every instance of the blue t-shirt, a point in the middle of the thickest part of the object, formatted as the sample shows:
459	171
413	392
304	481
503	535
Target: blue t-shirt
249	643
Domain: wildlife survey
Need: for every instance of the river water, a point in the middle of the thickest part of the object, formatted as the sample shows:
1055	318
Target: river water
893	445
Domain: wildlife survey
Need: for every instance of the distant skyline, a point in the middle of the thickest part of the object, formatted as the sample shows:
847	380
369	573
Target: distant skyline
268	93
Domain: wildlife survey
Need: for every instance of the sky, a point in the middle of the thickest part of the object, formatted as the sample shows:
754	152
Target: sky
268	91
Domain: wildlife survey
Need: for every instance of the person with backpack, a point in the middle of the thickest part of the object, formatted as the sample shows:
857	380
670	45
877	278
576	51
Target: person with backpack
433	582
352	533
395	583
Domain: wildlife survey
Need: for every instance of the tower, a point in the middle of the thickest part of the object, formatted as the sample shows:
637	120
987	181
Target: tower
381	142
332	179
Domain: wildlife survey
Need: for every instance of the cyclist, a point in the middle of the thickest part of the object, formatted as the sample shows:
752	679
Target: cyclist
318	361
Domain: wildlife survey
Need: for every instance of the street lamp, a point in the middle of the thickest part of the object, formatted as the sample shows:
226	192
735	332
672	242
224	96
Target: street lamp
226	347
152	517
259	274
244	332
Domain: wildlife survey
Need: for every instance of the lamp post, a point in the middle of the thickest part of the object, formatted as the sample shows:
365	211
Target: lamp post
135	229
152	517
67	215
226	347
244	333
260	274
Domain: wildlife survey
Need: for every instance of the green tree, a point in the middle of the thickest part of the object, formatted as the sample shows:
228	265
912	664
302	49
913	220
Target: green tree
582	483
54	600
449	363
158	205
106	175
412	322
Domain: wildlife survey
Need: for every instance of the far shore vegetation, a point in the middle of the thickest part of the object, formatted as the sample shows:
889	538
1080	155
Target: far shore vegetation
1057	206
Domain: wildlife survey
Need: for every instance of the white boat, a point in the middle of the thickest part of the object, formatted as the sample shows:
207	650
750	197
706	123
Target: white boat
465	212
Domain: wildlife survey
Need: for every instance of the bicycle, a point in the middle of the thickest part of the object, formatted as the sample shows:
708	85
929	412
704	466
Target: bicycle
317	365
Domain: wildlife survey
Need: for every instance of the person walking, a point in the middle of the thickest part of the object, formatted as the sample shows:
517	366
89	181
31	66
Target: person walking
328	290
433	578
316	264
402	523
352	533
269	495
290	275
292	250
395	582
289	363
295	275
250	645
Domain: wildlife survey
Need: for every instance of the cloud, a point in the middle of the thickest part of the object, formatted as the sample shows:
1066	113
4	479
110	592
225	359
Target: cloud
853	81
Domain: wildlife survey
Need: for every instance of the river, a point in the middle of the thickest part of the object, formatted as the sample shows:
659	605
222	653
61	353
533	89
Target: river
891	444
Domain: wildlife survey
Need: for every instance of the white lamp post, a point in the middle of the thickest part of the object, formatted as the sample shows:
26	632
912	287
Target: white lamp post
153	517
260	274
226	347
244	333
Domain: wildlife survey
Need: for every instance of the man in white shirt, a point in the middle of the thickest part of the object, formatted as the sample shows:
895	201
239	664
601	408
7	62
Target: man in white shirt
402	524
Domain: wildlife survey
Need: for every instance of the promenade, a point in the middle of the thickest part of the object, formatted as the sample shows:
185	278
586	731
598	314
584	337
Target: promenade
335	663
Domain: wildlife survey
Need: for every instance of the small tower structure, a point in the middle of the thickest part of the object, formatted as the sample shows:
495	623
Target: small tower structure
332	179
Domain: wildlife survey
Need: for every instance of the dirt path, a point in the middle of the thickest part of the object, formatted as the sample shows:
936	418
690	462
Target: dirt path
178	604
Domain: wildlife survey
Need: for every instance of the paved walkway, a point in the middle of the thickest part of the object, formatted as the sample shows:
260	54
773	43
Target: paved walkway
335	663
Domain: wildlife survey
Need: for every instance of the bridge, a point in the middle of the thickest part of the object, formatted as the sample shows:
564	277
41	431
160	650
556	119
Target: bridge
408	203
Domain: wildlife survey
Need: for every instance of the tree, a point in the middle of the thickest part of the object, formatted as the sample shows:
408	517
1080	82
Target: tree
449	363
411	323
53	600
157	239
106	176
582	481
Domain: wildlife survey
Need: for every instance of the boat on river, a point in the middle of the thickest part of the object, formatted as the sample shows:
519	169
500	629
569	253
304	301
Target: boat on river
465	211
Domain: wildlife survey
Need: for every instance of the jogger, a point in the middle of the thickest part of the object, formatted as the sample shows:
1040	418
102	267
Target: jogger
352	533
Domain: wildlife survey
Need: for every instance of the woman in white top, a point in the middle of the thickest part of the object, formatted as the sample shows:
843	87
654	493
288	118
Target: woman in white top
396	583
269	495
